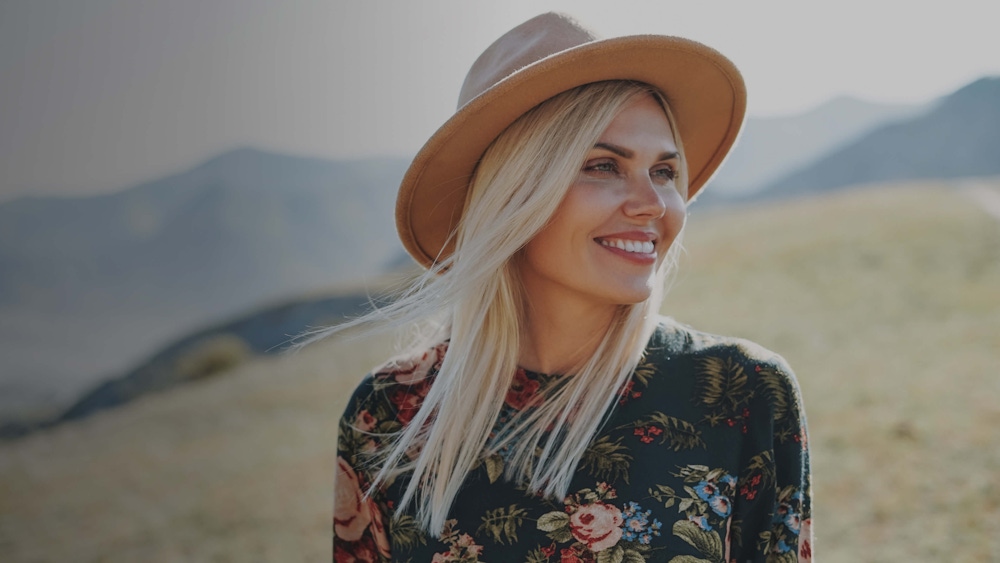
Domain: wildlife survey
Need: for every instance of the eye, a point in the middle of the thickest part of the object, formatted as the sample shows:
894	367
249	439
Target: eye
602	167
667	173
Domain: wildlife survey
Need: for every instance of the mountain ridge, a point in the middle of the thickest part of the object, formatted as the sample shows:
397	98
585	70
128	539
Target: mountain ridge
957	137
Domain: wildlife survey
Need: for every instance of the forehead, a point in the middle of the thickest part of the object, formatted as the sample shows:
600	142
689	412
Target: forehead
642	123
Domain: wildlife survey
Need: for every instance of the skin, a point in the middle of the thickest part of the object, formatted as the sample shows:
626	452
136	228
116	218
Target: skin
625	190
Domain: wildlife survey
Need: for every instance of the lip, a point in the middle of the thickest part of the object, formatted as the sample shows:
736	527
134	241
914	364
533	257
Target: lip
640	236
640	258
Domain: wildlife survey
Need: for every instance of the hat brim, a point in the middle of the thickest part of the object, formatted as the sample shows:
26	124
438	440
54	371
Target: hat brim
704	90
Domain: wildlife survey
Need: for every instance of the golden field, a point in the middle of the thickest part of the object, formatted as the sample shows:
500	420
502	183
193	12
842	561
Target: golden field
885	301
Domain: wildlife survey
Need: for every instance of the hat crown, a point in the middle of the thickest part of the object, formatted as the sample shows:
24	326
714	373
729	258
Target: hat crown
530	42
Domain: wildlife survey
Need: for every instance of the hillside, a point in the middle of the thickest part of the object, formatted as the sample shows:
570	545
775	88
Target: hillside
958	137
883	300
772	147
90	286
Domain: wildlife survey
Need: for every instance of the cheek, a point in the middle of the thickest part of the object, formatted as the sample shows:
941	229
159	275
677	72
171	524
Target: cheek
673	221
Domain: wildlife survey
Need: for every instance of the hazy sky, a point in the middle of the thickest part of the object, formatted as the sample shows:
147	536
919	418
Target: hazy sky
98	95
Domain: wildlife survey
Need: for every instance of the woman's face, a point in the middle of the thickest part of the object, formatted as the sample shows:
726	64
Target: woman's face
618	219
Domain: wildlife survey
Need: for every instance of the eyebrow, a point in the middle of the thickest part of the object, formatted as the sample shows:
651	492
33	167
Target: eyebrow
626	153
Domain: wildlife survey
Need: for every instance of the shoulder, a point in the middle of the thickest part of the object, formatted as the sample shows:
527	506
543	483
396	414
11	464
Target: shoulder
411	367
673	338
389	396
729	362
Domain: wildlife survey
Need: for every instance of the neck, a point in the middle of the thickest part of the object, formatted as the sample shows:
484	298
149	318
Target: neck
559	335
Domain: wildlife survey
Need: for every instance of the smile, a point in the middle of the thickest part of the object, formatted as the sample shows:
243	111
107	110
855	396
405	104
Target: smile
639	247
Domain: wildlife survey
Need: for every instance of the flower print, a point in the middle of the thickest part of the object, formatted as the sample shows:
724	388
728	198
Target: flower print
793	522
358	552
462	548
365	422
605	491
351	514
706	490
728	479
378	530
407	400
781	512
597	525
805	541
522	391
782	547
645	434
369	447
654	430
636	525
548	551
748	493
720	505
701	521
575	554
628	392
466	542
416	370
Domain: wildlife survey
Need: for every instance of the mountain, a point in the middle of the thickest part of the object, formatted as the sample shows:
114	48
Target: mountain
771	147
90	285
957	137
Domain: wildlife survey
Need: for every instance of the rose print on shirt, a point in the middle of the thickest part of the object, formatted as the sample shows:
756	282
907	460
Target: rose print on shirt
595	526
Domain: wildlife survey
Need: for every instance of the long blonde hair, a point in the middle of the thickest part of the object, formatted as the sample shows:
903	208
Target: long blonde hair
518	185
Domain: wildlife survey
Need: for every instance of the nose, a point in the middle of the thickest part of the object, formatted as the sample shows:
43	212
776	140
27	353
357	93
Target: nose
645	199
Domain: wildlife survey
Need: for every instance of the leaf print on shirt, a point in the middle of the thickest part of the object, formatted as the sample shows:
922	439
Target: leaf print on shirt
708	506
633	388
722	387
406	532
502	523
773	384
606	460
679	434
757	476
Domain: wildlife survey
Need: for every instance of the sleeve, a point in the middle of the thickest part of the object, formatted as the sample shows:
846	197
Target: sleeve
360	524
773	504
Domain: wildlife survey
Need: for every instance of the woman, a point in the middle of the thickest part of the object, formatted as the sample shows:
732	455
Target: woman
550	414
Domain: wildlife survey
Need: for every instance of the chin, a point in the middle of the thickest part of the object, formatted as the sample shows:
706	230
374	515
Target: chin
633	296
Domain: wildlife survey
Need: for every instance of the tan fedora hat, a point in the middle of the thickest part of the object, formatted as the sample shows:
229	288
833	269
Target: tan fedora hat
536	60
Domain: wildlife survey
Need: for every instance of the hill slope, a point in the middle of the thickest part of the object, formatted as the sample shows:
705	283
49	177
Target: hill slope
91	285
958	137
771	147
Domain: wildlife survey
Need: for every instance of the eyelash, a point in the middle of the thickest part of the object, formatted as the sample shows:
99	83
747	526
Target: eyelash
671	173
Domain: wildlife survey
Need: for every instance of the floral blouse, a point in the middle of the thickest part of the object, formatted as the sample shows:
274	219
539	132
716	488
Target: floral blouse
703	460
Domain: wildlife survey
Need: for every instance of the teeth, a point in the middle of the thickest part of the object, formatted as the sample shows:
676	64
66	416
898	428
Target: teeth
645	247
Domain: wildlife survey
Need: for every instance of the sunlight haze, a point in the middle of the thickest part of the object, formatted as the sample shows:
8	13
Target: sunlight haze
99	95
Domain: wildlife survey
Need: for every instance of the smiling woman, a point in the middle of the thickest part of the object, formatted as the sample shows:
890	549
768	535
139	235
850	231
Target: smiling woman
549	413
616	222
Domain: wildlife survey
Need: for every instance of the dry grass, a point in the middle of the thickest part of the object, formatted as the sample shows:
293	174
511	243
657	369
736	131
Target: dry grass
885	302
887	305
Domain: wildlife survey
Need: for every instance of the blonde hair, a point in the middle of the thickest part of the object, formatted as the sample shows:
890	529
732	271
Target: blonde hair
518	185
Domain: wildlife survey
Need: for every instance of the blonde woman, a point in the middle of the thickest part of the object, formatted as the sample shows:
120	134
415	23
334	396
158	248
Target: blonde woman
549	413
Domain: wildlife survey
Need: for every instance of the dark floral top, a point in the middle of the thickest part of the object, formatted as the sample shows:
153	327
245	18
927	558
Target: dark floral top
704	459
